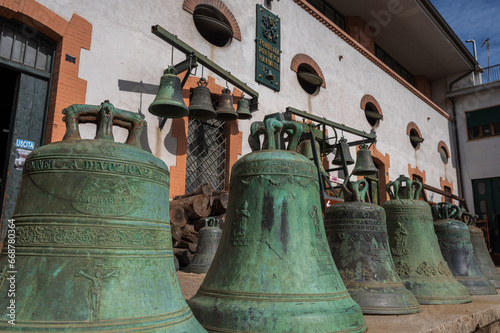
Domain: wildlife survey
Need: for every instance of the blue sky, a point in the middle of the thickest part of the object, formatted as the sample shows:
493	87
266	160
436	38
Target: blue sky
474	19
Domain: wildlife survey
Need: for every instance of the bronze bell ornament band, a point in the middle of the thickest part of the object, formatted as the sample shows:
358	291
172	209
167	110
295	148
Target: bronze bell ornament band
273	271
93	243
357	234
415	248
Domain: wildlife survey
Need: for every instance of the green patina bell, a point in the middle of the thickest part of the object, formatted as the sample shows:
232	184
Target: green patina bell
457	250
208	242
415	248
273	271
93	248
481	253
357	234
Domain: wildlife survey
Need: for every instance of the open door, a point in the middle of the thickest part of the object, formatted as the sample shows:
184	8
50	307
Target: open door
25	132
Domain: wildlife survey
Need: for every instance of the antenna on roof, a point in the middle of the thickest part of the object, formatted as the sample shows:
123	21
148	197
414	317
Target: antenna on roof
487	42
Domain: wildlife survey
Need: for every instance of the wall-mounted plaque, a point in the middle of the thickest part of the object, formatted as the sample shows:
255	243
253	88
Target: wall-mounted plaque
268	50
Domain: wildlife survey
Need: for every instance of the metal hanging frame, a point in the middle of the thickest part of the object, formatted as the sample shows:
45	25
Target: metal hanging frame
193	58
326	148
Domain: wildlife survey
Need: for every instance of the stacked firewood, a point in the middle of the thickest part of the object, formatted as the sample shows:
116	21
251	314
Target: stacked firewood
187	216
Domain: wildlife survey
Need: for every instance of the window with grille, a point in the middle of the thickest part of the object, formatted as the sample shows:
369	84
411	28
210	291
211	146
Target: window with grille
206	154
447	189
24	45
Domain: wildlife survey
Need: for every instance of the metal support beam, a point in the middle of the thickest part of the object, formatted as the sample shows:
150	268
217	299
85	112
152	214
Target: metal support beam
203	59
369	137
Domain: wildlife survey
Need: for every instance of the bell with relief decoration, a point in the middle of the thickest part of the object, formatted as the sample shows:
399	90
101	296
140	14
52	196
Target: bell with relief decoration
93	244
415	248
357	234
457	250
481	253
273	271
208	242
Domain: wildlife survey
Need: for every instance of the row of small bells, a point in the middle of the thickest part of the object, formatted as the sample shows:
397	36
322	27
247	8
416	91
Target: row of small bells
273	270
169	103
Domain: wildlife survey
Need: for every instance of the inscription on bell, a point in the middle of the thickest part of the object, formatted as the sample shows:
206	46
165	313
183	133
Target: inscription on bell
100	195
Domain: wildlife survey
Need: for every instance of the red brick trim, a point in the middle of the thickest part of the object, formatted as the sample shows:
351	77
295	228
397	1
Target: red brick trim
370	99
443	183
418	172
190	5
301	58
351	41
67	88
412	125
180	132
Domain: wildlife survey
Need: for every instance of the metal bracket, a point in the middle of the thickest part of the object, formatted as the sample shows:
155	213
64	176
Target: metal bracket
193	58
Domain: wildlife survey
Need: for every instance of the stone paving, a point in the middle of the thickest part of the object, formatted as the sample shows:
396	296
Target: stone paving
481	316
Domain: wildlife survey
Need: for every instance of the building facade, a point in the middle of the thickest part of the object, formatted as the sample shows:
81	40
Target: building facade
392	58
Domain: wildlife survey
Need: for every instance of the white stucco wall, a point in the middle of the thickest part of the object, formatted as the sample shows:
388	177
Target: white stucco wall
480	158
124	48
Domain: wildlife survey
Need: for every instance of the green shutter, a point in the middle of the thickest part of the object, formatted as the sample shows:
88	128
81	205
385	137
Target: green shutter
483	117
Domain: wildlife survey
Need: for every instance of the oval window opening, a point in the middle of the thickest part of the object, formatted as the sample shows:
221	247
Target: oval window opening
308	79
481	188
212	25
372	114
415	139
444	155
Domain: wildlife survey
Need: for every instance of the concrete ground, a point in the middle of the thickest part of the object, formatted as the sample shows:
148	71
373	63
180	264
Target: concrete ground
481	316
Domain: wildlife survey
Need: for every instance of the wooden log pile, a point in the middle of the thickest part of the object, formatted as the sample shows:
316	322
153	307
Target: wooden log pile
187	216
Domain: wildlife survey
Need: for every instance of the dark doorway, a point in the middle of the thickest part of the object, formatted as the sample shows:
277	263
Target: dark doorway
8	86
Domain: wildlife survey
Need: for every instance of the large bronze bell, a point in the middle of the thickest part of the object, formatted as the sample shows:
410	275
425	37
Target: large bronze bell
273	271
225	110
364	162
208	242
243	110
337	160
200	106
481	253
93	249
168	102
415	248
456	247
357	234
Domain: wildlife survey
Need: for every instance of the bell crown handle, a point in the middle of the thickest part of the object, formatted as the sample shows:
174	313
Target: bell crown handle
445	210
273	130
257	129
104	116
411	189
358	193
294	131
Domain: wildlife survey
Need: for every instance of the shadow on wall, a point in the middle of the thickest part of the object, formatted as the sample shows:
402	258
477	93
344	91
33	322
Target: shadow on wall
141	88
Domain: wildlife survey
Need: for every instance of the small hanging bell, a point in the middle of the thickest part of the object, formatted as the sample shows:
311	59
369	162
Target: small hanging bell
225	110
200	106
347	155
168	102
243	110
364	162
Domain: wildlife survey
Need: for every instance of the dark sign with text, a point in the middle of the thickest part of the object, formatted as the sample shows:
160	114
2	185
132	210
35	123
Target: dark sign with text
268	51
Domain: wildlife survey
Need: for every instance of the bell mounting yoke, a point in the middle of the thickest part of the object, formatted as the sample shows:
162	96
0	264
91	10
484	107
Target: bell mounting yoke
411	189
104	116
274	132
445	211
